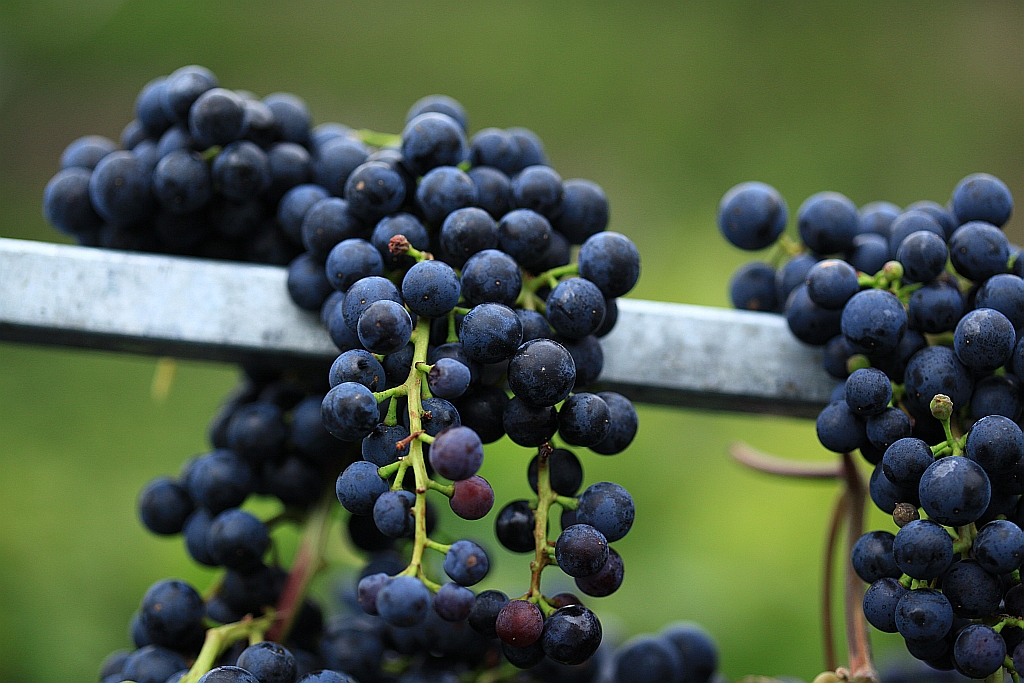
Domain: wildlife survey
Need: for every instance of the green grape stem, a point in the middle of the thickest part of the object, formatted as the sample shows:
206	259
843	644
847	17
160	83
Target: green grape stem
544	553
221	638
414	388
1011	669
549	278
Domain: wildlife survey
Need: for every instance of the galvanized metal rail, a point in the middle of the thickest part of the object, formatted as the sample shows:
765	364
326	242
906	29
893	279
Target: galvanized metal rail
671	354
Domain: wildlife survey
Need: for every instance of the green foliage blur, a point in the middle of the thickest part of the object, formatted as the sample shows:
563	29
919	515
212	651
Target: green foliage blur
665	104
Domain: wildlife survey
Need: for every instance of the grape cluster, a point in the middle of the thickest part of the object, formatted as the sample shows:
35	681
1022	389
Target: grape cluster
919	312
448	284
466	286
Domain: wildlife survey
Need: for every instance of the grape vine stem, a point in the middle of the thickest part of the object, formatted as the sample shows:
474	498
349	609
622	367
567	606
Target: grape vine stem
839	512
308	561
414	386
773	464
221	638
858	645
542	558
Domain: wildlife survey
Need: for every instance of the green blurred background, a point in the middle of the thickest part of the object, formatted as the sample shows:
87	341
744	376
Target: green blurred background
666	105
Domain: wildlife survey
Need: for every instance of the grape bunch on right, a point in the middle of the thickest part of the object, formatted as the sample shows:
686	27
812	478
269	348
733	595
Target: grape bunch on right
919	312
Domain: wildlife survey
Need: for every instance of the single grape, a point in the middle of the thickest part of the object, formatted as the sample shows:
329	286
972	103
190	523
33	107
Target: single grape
647	658
359	486
237	540
611	261
519	623
357	366
839	429
466	563
581	550
880	602
575	308
541	372
979	651
268	662
384	327
454	602
752	215
164	505
984	339
494	147
443	190
606	581
872	557
349	411
584	210
571	635
979	250
908	223
430	140
456	453
485	611
404	601
374	190
584	420
923	614
906	460
868	391
954	491
491	276
923	549
473	498
514	527
491	333
753	287
923	256
171	612
827	222
392	514
972	592
431	288
982	197
524	235
608	508
831	283
874	320
999	546
217	117
996	443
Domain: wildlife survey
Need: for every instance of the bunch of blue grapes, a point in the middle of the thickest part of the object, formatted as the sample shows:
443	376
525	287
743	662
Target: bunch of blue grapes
200	171
466	286
919	312
445	276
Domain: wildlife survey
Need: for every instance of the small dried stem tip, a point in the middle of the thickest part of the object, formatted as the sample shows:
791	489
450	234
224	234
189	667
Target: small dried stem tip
398	245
